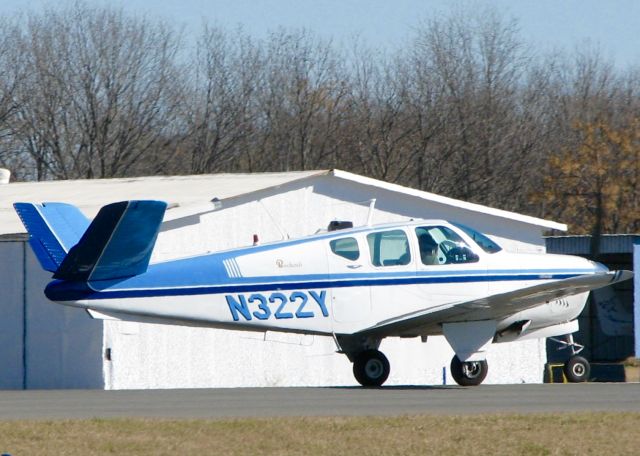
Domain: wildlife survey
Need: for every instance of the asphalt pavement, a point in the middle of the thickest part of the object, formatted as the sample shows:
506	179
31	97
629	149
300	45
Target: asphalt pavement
269	402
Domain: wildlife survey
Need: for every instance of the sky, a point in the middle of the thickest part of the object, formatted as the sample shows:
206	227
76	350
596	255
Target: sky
613	25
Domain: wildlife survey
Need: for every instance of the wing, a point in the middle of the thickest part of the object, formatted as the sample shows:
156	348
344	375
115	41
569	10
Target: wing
494	307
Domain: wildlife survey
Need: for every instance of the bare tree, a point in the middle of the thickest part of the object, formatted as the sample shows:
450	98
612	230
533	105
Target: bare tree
96	100
301	102
221	105
380	124
12	72
482	115
465	109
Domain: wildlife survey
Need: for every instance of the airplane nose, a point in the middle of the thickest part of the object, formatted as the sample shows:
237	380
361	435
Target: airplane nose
599	267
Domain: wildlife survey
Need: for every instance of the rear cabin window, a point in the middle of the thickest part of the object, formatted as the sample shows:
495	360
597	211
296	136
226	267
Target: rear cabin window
346	248
389	248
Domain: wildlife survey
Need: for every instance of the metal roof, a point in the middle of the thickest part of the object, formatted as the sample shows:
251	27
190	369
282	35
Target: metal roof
548	224
581	245
194	191
91	194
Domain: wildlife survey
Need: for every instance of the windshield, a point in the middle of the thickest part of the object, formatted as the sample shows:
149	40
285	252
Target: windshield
442	245
483	241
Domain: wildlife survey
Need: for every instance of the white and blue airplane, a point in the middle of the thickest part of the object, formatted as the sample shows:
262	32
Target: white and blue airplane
357	285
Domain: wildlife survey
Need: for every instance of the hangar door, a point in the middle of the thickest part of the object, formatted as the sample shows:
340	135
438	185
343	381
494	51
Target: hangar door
43	345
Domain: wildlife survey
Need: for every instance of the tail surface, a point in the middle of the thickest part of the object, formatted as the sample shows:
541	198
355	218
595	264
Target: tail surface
53	229
118	242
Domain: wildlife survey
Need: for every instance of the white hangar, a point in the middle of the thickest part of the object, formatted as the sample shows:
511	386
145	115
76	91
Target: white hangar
44	345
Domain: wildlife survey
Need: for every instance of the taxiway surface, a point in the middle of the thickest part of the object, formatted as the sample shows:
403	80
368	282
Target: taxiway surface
267	402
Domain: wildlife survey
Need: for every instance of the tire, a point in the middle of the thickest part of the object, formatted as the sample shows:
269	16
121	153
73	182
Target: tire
371	368
577	369
471	373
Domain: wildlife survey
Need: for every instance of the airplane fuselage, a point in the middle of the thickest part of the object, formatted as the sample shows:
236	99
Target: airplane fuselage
340	282
359	285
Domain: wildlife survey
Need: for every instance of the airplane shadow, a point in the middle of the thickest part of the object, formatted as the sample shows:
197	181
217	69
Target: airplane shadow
398	387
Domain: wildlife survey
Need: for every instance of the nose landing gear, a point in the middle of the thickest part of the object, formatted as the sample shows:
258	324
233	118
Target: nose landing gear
576	369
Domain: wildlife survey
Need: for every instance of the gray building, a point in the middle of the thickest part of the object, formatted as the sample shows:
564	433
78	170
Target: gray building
45	345
609	326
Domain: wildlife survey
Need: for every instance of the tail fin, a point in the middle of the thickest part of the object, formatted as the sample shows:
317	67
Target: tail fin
118	242
53	228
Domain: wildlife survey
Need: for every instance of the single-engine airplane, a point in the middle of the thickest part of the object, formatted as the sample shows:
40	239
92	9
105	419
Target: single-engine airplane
358	285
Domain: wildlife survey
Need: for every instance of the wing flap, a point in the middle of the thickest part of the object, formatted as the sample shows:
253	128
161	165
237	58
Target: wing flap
496	306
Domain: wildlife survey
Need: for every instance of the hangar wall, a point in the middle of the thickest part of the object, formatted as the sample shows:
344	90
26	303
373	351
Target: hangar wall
12	306
154	356
157	356
44	345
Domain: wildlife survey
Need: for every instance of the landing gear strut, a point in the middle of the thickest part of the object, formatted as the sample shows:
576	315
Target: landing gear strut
576	368
371	368
470	373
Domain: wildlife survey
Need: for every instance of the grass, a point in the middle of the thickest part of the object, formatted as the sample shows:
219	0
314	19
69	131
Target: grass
632	369
547	434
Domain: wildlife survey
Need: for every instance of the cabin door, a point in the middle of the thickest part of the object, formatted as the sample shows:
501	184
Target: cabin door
348	271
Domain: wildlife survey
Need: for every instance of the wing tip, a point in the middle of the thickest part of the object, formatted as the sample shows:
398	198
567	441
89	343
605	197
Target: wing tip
621	275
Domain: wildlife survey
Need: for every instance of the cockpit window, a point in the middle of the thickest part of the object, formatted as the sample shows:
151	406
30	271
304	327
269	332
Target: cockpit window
389	248
346	248
442	245
483	241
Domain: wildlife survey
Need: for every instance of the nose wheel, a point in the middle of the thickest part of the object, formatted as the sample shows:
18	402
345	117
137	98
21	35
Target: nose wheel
576	369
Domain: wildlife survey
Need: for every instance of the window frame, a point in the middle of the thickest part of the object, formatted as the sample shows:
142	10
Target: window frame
332	241
461	236
409	252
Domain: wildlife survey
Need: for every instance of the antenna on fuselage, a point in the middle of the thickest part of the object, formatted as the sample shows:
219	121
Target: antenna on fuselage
372	205
283	233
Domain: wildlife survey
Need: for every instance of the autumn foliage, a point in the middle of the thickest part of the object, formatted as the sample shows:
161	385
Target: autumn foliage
596	183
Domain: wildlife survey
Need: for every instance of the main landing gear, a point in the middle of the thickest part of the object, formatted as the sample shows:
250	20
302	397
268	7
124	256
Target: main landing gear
576	368
470	373
371	368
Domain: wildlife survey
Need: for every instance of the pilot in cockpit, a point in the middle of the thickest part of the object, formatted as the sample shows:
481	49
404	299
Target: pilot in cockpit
428	248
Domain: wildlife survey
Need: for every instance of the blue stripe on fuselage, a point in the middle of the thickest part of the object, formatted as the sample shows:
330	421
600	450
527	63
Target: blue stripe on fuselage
206	274
73	291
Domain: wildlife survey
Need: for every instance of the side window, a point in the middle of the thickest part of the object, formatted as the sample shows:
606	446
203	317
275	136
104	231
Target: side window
389	248
442	245
346	248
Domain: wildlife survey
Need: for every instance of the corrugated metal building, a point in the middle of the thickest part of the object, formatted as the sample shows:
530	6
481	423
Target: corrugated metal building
607	326
44	345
